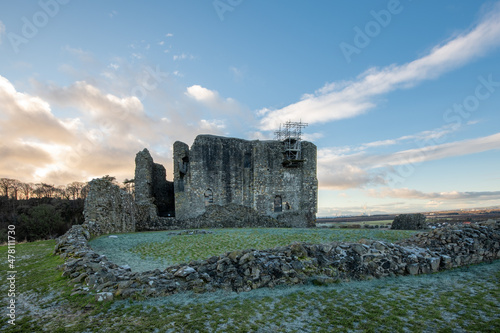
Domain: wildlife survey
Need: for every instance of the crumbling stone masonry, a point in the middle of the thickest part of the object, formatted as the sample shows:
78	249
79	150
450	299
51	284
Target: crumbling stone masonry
109	209
154	195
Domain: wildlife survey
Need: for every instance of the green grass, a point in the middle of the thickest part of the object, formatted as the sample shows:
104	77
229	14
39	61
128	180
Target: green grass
183	248
38	285
464	299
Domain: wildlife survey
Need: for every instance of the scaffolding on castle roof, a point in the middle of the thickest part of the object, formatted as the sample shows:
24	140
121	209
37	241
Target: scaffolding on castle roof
290	134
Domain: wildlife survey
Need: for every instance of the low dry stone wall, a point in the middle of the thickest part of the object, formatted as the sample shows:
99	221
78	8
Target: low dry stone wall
297	263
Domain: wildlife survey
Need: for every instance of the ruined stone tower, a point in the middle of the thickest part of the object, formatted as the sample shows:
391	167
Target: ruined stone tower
255	174
154	195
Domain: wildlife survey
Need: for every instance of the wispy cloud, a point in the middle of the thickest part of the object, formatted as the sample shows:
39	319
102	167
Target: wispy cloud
435	152
182	56
341	100
405	193
83	56
238	72
358	167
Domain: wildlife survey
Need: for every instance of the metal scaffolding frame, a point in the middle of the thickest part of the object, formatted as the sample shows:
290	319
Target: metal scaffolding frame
290	135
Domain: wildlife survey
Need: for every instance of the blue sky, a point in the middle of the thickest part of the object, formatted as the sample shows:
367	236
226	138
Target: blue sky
401	97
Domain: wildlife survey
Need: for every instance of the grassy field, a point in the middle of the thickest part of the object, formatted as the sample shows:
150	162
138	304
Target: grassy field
150	250
461	300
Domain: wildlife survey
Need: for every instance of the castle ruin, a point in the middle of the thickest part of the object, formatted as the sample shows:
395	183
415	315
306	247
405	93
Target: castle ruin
274	179
218	182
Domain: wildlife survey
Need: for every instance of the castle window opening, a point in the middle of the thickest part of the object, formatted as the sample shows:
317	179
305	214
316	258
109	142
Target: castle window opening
183	166
278	207
247	162
183	169
209	197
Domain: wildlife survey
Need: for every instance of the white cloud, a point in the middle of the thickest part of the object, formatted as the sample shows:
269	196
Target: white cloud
341	100
236	116
212	126
312	136
29	116
202	94
169	35
214	101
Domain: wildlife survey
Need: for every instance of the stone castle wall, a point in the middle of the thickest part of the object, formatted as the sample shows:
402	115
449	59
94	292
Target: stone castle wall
221	171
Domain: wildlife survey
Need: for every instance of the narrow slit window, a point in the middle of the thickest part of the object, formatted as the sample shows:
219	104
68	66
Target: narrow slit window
278	204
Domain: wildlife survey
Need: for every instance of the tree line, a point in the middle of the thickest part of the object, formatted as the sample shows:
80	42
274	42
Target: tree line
44	211
15	189
39	210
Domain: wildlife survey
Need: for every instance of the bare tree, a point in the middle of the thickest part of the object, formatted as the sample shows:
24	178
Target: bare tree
44	190
5	185
26	190
38	190
63	192
48	190
15	187
75	189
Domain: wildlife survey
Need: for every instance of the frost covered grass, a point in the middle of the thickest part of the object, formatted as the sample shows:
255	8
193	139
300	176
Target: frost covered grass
150	250
460	300
355	223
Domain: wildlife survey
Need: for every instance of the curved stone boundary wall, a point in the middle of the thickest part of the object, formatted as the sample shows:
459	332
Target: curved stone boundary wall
297	263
